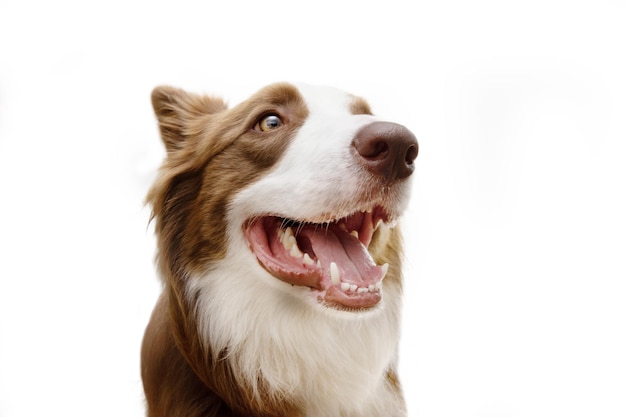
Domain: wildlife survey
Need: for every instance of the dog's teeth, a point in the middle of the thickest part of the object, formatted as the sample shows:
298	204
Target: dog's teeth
353	288
306	259
355	233
319	264
362	290
345	286
379	285
290	242
334	273
371	288
295	251
385	268
287	237
282	237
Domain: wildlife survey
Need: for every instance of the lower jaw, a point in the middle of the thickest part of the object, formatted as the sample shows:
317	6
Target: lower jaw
335	298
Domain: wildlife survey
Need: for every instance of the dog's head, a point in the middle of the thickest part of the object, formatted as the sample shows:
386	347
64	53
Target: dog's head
297	188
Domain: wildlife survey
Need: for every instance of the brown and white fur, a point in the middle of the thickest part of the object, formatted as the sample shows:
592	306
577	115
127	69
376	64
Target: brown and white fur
236	332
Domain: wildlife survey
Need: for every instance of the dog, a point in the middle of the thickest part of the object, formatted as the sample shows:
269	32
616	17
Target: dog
279	254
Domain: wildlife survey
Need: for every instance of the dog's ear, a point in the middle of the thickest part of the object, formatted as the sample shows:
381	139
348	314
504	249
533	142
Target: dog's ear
181	114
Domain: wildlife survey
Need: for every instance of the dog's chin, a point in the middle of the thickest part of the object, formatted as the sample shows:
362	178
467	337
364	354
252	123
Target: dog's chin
330	258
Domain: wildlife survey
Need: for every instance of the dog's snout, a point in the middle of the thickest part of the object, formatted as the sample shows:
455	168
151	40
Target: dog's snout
386	149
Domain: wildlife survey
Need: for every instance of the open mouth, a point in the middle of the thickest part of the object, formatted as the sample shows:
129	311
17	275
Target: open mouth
331	258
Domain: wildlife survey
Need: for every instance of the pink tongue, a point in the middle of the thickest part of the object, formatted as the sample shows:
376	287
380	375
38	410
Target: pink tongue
353	261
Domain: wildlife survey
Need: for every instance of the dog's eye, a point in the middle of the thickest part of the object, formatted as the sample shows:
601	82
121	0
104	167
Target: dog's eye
269	122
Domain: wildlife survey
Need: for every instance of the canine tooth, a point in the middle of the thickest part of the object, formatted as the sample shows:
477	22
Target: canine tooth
353	287
287	235
355	233
319	264
345	286
334	273
306	259
295	251
290	242
379	285
385	268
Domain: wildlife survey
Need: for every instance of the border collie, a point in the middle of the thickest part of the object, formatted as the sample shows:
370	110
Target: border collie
280	256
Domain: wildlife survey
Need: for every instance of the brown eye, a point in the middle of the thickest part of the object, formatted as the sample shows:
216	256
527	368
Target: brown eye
269	122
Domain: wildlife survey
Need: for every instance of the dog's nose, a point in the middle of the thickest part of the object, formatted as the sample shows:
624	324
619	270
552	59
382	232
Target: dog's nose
386	149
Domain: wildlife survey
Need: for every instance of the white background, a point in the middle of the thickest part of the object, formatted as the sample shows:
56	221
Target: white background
515	299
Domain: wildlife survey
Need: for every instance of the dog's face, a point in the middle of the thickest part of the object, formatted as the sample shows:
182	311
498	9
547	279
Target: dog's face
297	188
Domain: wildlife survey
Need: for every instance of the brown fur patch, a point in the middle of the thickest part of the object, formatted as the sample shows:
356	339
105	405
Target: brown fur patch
386	247
182	379
211	153
360	106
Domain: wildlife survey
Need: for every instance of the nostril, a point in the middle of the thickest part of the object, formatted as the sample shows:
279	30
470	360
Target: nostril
411	154
371	147
379	149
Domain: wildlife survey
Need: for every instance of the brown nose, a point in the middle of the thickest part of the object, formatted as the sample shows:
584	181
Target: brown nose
387	150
